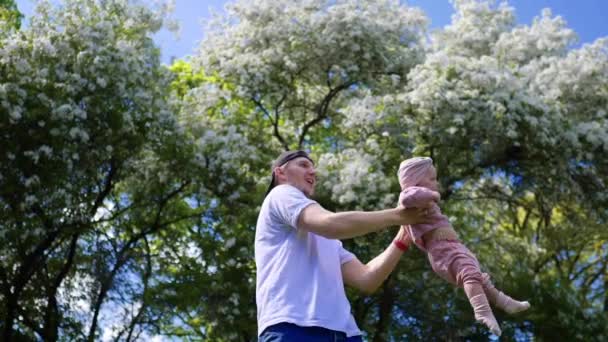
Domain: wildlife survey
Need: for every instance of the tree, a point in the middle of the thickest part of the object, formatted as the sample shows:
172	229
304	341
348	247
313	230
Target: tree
9	14
89	140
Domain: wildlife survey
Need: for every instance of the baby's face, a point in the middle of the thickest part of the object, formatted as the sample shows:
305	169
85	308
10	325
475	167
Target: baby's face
429	180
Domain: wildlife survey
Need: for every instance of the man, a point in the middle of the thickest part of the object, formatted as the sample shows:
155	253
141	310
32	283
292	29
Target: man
301	264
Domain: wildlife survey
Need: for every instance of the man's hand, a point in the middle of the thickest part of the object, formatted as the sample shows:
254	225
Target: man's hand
417	197
404	236
413	215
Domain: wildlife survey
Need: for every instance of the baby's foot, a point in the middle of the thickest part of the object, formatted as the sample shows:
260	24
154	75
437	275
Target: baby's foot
483	313
491	323
501	300
512	306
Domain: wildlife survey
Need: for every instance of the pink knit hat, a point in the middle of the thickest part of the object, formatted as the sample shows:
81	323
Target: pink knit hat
412	170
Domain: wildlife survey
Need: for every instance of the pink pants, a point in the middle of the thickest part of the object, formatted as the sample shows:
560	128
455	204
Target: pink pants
454	262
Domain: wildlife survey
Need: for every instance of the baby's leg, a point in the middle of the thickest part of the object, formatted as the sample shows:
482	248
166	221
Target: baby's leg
455	263
501	300
481	307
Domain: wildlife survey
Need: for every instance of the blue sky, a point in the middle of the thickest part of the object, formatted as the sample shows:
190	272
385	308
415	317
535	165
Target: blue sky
588	18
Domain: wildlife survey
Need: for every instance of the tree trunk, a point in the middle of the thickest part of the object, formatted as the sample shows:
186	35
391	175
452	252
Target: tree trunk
605	292
51	320
384	313
11	309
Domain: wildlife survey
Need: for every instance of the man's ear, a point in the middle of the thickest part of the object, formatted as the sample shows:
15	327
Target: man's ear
279	173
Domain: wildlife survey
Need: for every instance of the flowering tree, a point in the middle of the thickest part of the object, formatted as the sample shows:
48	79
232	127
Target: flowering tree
515	118
86	167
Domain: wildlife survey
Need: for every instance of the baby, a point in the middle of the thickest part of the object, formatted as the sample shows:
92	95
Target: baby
449	258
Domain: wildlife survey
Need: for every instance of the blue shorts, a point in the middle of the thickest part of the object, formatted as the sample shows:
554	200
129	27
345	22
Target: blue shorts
288	332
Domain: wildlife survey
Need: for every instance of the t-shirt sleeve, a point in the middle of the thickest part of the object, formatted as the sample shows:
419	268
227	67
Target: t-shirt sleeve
345	256
286	203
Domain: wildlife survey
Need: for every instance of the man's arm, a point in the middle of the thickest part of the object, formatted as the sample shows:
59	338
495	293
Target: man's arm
368	277
349	224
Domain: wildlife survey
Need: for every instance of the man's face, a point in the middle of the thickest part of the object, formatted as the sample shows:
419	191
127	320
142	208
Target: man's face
429	180
299	172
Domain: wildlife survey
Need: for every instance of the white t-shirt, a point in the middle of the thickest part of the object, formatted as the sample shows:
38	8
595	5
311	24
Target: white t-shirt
299	277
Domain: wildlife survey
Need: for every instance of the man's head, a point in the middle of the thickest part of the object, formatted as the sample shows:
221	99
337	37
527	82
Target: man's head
295	168
418	171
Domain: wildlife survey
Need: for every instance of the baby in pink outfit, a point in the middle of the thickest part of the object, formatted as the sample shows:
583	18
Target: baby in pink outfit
449	258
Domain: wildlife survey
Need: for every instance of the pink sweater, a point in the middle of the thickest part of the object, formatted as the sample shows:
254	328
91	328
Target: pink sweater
419	197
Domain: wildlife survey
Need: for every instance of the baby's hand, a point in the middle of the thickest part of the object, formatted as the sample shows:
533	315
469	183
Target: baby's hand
436	196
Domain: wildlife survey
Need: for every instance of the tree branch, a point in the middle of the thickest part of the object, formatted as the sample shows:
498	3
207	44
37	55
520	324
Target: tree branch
322	110
51	319
274	122
146	279
122	257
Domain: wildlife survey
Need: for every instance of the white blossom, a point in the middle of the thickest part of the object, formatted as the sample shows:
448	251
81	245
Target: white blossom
230	242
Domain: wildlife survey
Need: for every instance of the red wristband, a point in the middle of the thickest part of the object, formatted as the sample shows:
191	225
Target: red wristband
399	244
